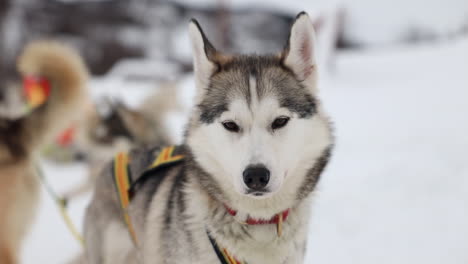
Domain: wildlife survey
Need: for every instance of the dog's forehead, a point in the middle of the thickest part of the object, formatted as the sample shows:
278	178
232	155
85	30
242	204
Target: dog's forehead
252	79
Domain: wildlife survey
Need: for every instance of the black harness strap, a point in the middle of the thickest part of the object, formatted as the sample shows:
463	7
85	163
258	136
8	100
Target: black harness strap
218	252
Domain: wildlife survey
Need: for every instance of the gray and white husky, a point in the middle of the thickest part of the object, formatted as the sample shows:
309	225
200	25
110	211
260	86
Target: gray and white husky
255	147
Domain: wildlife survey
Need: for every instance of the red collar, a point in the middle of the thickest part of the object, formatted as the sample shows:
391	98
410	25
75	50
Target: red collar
252	221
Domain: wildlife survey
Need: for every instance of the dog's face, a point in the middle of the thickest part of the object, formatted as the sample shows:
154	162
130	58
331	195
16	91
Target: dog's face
105	131
111	126
258	129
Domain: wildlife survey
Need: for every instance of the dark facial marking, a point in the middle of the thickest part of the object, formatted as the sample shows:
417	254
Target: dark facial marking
232	81
313	175
212	109
114	127
304	106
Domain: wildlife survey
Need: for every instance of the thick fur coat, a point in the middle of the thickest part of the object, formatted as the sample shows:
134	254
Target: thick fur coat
21	136
251	111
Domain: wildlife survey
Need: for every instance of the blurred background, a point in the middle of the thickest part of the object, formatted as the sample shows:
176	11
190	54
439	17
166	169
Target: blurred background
393	77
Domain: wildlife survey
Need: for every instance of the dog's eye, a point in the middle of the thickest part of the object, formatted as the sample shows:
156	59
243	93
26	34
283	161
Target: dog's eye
231	126
279	122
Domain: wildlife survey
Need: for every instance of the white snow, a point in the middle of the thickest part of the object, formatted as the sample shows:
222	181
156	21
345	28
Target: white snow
397	187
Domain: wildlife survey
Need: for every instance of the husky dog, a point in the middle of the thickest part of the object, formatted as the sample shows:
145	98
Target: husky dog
255	147
23	133
111	126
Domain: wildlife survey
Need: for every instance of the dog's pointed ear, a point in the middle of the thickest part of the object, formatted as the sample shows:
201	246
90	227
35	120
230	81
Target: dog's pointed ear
203	56
299	53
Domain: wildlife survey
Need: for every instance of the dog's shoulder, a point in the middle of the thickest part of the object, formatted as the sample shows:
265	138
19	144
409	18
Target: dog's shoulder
150	160
131	170
140	160
128	171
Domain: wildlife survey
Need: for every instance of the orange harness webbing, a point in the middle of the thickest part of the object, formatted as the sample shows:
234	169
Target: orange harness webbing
123	181
165	156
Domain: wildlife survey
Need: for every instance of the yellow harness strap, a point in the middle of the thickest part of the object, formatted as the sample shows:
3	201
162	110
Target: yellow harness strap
165	156
123	183
123	180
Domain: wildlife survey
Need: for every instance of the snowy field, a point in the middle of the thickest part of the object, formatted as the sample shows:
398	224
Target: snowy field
397	187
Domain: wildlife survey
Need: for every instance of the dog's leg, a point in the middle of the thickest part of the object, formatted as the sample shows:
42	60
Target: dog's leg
118	244
7	255
19	195
7	252
93	236
109	245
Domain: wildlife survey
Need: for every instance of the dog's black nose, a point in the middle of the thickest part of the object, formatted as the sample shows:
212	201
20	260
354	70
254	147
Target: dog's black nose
256	177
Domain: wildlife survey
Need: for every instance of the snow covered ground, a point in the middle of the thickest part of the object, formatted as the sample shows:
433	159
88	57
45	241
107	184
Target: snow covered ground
397	187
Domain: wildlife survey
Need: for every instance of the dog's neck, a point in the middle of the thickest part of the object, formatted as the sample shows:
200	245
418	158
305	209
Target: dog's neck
267	242
278	219
275	219
255	243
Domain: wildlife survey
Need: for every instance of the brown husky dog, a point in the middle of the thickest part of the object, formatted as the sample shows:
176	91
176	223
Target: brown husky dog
22	133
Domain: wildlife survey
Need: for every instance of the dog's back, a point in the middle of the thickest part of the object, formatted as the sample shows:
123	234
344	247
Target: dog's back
67	75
